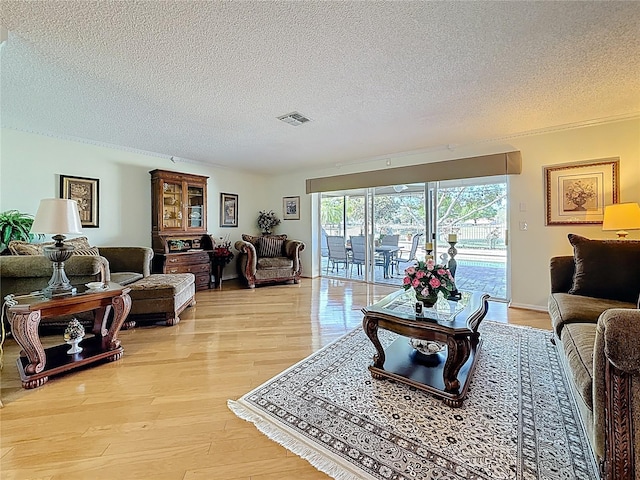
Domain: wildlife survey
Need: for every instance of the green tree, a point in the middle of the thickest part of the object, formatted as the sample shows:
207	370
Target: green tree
458	205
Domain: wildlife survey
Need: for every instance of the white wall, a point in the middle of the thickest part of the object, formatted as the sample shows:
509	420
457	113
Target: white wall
30	166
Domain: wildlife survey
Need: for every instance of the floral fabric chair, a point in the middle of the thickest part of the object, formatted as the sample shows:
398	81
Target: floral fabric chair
269	259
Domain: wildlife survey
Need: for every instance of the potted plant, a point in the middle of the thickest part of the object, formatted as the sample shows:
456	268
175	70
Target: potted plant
266	221
15	225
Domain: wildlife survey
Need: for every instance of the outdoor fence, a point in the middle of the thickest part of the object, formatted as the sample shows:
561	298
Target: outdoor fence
470	235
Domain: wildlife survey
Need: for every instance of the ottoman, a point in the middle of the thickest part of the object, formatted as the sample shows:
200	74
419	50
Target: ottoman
161	297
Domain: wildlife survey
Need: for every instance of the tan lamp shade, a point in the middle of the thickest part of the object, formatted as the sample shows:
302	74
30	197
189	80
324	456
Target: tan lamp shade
621	217
57	216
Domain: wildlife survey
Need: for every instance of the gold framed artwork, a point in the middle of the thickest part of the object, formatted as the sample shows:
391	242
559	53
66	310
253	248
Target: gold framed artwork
291	208
85	191
228	210
576	193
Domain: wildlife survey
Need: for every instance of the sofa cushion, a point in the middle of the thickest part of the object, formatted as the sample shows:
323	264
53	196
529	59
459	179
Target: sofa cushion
275	262
578	340
254	240
19	247
606	268
91	251
125	278
566	308
269	247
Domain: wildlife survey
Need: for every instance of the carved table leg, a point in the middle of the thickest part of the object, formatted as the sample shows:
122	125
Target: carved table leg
459	351
24	327
100	317
121	307
371	329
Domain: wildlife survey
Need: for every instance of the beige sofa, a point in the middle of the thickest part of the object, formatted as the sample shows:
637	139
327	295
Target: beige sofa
27	270
594	312
154	298
269	259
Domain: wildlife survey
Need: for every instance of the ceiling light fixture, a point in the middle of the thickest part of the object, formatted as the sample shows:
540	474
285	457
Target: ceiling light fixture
294	118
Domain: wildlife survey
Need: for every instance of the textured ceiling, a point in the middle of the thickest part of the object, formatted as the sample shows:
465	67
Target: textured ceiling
205	81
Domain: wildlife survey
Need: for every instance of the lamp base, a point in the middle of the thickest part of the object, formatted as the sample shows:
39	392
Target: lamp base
57	290
59	283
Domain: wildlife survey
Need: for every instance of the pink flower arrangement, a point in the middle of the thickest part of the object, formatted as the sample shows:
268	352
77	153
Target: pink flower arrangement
428	278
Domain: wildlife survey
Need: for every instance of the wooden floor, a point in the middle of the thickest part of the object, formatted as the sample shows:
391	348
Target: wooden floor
161	411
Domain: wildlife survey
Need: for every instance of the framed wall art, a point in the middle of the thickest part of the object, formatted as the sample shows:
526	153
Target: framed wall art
228	210
85	191
291	208
576	193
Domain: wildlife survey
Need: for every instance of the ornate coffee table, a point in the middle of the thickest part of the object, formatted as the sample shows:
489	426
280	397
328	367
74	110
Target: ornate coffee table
455	323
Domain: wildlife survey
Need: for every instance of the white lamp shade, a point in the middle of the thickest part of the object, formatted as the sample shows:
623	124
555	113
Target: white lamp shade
57	216
621	216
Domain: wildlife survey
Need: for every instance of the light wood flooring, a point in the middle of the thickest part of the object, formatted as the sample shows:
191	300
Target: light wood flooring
161	411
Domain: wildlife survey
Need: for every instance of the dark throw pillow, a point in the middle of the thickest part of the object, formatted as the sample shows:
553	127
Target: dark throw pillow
269	247
606	268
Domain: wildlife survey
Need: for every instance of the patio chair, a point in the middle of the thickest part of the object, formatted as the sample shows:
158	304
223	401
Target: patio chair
412	253
357	253
391	240
358	249
337	252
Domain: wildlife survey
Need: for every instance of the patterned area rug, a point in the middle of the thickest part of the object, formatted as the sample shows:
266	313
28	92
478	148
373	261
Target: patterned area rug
518	421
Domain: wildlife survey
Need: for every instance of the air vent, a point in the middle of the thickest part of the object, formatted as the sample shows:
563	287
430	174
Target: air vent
294	118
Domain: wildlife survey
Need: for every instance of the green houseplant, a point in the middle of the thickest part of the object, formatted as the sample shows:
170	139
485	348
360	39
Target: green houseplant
267	220
15	225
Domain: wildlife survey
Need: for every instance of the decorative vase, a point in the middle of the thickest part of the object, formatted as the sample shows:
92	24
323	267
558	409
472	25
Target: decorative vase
73	336
428	301
75	348
579	203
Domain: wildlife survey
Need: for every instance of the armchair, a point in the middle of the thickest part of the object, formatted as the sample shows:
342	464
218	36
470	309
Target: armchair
269	259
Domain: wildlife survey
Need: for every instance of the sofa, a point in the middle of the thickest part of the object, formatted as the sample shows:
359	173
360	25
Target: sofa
269	259
27	270
594	309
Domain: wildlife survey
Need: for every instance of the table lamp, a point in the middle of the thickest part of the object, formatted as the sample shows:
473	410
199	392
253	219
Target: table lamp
621	217
58	217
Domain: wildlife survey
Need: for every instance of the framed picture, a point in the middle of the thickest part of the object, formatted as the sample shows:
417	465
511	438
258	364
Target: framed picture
85	192
576	193
228	210
291	208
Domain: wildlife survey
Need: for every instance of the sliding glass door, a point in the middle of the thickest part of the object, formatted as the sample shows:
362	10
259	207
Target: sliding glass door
385	229
473	212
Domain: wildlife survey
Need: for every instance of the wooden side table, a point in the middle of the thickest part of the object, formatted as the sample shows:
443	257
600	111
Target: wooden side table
218	262
36	363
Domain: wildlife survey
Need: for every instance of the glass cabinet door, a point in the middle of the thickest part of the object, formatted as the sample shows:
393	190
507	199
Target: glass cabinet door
172	202
195	206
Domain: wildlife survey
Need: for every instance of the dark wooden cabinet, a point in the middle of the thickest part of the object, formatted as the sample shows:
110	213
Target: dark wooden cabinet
179	225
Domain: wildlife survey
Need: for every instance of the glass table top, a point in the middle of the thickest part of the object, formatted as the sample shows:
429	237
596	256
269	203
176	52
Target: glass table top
402	304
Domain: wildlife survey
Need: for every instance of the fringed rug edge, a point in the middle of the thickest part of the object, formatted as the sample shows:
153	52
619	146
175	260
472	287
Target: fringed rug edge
323	461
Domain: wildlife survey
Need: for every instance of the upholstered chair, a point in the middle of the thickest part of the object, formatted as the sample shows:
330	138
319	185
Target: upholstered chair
269	259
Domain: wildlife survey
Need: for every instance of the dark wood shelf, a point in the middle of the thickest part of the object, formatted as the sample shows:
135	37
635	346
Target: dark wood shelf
424	372
58	360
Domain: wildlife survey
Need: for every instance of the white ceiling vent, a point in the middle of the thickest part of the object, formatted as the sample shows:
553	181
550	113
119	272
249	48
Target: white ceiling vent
294	118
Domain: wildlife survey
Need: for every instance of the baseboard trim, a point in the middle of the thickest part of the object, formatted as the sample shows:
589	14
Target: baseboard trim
525	306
